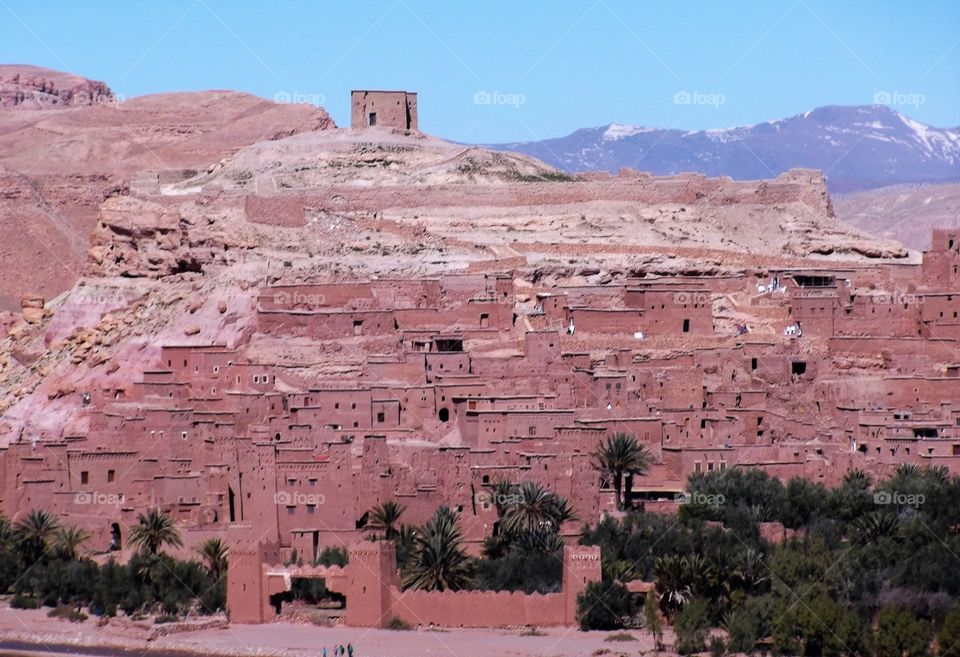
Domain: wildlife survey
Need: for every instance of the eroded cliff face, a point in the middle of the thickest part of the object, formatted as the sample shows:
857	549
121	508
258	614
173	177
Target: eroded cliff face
67	144
33	88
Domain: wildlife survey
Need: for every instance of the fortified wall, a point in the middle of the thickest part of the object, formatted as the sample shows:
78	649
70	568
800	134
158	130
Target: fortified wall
370	582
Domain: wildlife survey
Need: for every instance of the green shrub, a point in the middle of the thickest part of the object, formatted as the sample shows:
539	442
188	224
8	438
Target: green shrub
21	601
333	556
691	626
604	606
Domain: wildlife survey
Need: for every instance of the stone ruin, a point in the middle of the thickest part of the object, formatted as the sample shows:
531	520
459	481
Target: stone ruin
390	109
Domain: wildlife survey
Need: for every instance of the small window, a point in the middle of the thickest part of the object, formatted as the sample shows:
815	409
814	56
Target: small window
84	477
686	326
381	417
373	118
111	475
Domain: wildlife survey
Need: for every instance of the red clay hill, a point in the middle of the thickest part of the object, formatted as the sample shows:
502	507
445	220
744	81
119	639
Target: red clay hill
67	144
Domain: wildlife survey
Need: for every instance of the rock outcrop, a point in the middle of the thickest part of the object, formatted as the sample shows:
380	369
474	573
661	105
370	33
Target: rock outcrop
98	145
32	88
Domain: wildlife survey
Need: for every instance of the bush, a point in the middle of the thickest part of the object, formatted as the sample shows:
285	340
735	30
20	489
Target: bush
948	640
604	606
691	627
21	601
67	612
519	571
899	633
333	556
717	647
214	599
397	623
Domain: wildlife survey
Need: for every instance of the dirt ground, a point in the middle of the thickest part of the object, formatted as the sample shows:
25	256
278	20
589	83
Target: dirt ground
52	636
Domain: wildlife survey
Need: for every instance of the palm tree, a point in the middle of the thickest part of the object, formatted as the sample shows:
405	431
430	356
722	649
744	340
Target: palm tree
534	509
35	531
8	537
385	519
214	553
673	582
750	573
406	543
939	473
67	541
503	493
858	478
439	562
152	531
908	471
622	456
871	527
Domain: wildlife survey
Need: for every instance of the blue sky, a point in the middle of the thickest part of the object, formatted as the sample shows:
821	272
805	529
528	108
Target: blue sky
492	71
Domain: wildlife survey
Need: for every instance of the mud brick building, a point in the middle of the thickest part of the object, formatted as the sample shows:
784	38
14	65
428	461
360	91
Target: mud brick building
441	386
391	109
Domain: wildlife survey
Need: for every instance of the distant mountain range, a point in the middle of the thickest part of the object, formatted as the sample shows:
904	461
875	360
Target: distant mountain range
859	148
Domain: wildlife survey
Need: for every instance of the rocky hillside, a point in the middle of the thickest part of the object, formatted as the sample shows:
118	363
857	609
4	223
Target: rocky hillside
67	144
31	88
906	213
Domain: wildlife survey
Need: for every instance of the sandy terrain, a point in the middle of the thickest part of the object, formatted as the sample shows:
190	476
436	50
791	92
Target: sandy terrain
51	636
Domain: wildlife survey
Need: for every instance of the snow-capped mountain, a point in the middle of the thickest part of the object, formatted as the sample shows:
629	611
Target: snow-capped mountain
860	147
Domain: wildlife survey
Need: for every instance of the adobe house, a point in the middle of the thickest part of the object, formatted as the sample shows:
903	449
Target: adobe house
450	383
391	109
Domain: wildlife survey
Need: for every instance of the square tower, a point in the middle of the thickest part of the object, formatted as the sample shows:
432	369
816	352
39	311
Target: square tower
393	109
